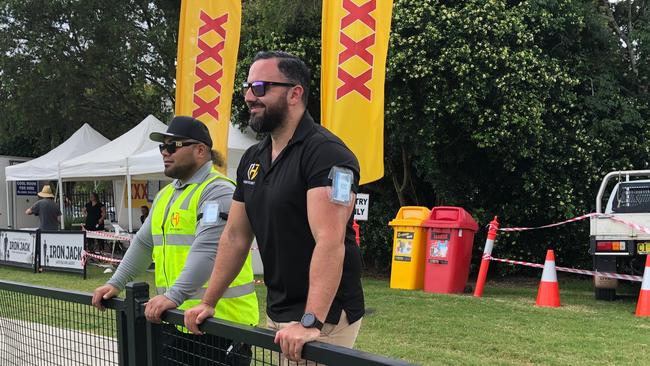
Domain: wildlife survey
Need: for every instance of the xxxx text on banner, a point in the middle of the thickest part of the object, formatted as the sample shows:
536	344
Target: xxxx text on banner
354	47
208	42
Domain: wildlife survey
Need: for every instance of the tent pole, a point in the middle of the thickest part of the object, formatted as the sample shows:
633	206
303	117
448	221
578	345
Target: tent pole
61	200
12	208
128	189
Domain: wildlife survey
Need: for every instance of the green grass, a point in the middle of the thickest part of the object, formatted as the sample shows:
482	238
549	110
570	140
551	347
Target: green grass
502	328
94	278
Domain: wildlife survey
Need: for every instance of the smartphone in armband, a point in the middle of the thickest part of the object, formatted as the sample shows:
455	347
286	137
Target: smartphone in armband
342	179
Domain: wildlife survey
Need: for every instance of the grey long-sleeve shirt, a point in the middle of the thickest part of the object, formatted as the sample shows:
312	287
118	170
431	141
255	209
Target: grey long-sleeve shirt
200	260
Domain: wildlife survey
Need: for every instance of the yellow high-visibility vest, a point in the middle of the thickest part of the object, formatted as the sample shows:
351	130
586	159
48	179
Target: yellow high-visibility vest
173	237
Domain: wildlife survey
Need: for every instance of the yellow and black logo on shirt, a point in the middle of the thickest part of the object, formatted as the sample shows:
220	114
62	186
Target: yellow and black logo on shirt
253	169
251	173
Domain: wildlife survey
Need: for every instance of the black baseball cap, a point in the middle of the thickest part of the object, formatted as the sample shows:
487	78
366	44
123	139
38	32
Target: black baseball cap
185	127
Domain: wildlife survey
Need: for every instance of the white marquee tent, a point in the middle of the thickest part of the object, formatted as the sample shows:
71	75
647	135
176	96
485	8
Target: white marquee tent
112	159
46	167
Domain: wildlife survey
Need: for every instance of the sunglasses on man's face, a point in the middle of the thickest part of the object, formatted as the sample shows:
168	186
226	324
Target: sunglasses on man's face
259	87
175	145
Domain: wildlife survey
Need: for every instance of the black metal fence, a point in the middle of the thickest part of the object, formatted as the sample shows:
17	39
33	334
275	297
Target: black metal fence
42	326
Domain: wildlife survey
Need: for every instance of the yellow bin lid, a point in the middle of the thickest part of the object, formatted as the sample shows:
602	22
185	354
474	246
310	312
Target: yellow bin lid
410	216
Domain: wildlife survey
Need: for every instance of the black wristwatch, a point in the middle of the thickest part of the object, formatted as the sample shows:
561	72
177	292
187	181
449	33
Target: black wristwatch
309	320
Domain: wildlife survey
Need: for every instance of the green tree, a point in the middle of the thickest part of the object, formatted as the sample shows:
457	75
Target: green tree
65	63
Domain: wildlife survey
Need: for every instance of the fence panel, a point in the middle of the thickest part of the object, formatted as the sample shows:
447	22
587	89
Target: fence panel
40	326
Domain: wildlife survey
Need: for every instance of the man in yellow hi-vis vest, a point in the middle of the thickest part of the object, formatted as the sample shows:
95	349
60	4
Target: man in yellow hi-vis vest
181	235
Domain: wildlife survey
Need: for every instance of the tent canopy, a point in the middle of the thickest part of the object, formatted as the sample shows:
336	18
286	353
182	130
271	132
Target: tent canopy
112	159
46	167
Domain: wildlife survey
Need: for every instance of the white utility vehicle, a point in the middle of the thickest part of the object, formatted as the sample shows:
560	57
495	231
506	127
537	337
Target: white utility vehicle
615	246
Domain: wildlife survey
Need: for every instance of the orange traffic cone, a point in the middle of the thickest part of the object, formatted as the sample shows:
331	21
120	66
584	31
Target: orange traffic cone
548	294
643	305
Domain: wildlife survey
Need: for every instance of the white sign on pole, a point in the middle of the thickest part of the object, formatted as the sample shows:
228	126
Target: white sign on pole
18	247
62	250
361	207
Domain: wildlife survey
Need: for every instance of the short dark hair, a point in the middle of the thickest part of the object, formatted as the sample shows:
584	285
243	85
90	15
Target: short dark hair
291	67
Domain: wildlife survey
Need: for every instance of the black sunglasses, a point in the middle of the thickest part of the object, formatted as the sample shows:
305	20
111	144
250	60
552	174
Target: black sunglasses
259	87
175	145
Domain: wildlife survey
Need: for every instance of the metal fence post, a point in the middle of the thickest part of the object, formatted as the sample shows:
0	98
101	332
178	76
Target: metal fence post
133	345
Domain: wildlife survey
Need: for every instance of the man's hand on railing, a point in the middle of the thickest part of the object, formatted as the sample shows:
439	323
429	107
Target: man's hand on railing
103	293
292	338
157	305
196	315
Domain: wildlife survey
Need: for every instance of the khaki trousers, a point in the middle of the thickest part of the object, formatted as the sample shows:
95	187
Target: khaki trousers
342	334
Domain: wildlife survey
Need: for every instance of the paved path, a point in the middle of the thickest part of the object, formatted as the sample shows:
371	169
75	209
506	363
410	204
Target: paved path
25	343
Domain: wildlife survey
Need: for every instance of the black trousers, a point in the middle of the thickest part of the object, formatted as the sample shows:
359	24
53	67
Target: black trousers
180	348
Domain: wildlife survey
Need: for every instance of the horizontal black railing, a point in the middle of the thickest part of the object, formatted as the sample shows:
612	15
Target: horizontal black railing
41	326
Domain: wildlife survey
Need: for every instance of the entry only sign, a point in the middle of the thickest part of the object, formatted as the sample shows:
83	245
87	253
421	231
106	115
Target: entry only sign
63	251
361	207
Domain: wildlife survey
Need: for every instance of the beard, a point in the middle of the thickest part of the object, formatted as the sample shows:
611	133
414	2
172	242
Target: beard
272	117
181	172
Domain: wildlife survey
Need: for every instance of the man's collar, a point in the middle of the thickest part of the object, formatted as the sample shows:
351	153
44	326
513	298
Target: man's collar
305	126
198	177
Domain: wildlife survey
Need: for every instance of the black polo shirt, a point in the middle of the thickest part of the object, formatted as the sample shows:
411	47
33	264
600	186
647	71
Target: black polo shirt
275	195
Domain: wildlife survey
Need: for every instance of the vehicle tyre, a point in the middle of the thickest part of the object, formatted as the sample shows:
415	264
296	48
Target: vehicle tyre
608	294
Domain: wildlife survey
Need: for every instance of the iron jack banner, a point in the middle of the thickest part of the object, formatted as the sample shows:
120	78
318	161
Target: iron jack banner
208	42
354	47
63	251
18	248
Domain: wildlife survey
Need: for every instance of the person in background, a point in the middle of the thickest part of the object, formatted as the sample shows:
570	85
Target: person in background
95	212
144	210
48	212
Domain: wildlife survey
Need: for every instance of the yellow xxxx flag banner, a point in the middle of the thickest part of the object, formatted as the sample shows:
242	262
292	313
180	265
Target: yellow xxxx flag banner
354	48
208	42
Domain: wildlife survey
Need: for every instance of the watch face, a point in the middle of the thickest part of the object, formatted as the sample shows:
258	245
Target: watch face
308	320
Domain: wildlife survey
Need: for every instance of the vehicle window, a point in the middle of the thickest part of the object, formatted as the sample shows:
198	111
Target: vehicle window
632	197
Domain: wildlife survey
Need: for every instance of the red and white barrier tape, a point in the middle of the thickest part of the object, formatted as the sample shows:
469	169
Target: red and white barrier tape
637	227
106	235
570	270
634	226
87	255
593	214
